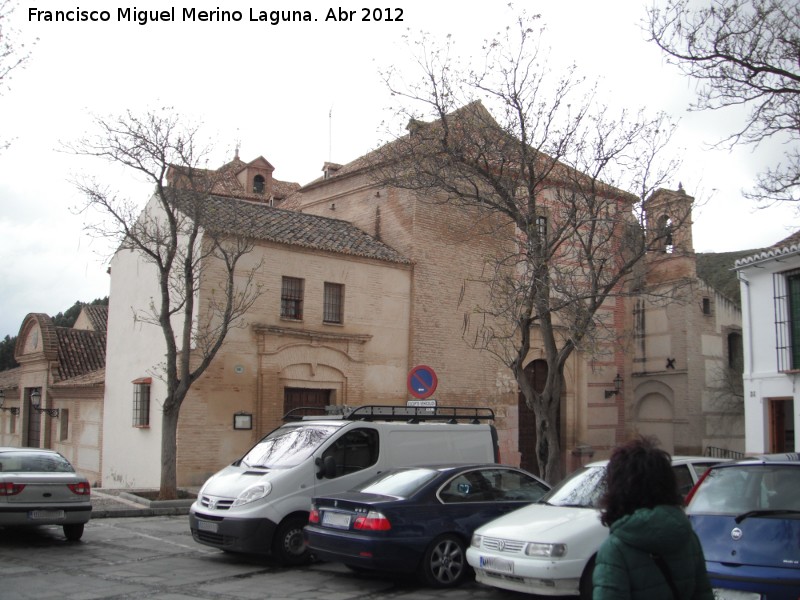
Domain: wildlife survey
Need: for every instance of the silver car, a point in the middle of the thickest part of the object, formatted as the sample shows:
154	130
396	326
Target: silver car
40	487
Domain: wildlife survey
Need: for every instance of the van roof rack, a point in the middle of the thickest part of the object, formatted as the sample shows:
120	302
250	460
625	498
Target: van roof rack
380	412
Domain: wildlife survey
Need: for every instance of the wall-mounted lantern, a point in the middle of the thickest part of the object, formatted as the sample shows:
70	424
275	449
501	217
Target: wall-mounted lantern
36	404
617	387
14	410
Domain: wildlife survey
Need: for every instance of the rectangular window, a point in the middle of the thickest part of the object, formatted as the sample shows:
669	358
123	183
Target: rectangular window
786	291
333	303
292	298
63	425
141	402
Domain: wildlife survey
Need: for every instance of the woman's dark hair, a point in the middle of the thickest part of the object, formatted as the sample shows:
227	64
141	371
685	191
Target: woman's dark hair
638	475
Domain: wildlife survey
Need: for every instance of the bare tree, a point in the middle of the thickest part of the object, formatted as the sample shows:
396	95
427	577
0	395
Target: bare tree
12	53
548	173
743	53
179	233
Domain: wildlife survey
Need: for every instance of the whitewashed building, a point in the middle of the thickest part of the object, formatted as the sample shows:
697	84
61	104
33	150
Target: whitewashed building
770	285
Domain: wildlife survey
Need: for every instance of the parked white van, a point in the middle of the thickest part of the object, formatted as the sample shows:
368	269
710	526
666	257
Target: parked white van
260	503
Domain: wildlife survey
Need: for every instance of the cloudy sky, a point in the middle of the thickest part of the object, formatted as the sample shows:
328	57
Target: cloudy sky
298	94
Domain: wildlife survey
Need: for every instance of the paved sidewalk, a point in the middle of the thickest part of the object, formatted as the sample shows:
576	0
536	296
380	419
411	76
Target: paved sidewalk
125	503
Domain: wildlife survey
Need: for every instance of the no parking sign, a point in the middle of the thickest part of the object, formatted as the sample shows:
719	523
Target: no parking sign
422	381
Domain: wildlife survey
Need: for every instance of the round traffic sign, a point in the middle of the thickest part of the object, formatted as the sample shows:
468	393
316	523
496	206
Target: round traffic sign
422	381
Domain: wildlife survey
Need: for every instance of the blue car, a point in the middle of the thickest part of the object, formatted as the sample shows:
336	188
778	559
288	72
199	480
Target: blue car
417	520
747	516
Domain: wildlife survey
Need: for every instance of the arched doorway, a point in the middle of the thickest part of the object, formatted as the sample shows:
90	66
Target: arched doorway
655	418
536	372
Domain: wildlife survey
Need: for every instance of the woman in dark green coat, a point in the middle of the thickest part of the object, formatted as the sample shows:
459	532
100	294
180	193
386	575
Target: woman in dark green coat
651	552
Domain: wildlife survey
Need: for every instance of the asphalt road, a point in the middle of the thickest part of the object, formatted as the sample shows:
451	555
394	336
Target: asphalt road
155	557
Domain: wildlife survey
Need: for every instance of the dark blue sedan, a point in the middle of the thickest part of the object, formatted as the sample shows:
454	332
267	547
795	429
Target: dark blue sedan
417	519
747	516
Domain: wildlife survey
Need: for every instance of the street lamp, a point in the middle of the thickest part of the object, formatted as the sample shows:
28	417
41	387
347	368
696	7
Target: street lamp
617	387
36	403
12	409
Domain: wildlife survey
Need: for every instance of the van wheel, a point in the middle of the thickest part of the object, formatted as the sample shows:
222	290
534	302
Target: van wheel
289	547
73	531
586	587
445	562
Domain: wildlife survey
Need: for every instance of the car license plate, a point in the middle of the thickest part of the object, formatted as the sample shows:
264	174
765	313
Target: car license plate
723	594
46	514
207	526
336	519
500	565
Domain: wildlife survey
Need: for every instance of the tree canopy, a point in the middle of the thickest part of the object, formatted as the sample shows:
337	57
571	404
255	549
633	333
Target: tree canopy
743	53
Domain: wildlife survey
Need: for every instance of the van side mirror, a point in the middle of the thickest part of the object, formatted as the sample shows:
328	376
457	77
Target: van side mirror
326	467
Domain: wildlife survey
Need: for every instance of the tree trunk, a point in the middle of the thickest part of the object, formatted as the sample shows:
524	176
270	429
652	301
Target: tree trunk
169	450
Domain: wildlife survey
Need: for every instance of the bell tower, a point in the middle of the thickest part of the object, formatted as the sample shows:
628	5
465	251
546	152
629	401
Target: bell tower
668	219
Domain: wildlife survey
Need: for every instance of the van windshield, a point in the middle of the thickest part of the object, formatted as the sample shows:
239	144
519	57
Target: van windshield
288	446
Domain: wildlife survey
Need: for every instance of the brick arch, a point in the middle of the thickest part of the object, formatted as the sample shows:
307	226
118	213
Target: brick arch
48	342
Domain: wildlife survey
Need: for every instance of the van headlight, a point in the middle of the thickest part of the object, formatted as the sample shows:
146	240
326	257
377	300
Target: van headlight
253	493
546	550
475	542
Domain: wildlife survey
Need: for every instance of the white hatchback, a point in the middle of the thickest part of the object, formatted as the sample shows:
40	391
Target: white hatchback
548	548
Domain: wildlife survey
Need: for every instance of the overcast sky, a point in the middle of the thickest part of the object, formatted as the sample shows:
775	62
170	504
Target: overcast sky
298	94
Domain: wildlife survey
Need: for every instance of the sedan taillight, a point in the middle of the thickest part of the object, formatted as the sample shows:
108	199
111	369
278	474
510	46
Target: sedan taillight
10	489
82	489
374	521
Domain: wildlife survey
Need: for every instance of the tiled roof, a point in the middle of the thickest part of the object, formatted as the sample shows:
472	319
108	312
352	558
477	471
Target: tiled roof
97	315
475	134
227	184
93	378
787	246
263	222
10	378
80	351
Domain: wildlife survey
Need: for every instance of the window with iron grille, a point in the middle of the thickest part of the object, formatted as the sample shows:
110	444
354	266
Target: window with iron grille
786	287
292	298
141	402
333	303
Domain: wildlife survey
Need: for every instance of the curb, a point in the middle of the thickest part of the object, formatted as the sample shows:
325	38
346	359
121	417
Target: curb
125	504
103	513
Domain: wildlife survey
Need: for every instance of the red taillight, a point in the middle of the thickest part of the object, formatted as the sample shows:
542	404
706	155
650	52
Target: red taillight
313	516
82	489
373	521
11	489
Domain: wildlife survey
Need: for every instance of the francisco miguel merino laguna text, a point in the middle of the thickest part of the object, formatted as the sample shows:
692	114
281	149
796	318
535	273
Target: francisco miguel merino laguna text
142	17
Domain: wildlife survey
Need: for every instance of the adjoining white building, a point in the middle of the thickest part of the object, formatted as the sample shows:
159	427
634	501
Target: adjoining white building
770	285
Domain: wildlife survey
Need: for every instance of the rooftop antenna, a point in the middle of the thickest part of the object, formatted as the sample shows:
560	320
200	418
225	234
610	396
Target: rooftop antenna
330	135
238	145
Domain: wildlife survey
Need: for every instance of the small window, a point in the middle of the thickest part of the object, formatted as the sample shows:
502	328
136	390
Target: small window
292	298
735	351
541	228
706	306
258	184
141	402
63	425
334	303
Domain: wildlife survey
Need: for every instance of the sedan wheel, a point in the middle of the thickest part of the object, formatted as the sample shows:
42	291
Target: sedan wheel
73	531
445	563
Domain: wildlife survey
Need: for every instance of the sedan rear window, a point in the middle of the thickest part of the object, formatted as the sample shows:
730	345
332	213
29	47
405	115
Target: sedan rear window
401	483
745	488
34	462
